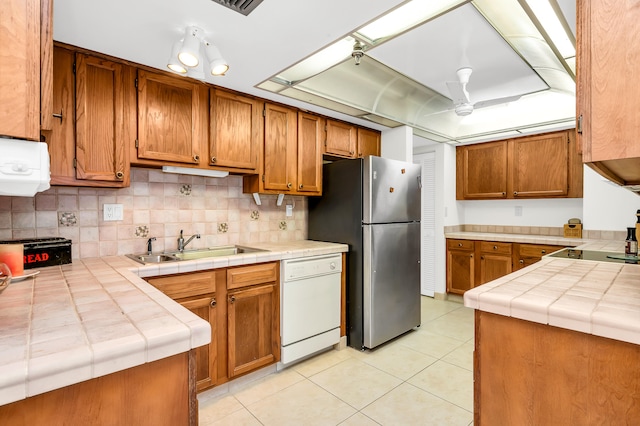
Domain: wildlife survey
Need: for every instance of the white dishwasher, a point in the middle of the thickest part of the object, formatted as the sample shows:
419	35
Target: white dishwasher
310	305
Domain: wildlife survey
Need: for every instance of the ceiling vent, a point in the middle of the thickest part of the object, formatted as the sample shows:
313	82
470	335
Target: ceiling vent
241	6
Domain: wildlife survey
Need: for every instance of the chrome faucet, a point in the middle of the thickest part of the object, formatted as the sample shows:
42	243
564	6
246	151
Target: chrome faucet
182	243
149	246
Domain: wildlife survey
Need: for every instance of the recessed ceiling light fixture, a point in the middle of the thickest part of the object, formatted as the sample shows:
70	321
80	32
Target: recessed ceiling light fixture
194	55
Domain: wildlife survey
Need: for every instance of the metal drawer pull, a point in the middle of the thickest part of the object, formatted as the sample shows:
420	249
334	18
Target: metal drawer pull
213	302
196	158
232	299
459	244
544	251
213	159
59	115
495	247
119	175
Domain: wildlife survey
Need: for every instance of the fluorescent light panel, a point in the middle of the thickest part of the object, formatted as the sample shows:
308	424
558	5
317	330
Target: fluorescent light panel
195	172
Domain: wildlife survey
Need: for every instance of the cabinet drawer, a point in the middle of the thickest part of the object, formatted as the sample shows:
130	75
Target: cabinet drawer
185	285
243	276
495	247
536	250
460	244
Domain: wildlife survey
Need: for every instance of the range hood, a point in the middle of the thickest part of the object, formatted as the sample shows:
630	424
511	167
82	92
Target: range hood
24	167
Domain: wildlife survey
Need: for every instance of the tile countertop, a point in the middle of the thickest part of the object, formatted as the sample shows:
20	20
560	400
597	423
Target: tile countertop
598	298
93	317
517	238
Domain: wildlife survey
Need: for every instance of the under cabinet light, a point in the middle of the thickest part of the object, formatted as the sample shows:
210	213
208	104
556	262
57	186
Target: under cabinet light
195	172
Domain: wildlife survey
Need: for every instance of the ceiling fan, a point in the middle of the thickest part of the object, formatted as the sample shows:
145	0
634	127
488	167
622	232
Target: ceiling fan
460	96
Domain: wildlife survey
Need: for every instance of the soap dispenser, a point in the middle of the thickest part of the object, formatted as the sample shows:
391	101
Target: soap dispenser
631	243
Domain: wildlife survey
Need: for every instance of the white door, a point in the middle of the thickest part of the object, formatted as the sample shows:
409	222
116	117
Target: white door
428	223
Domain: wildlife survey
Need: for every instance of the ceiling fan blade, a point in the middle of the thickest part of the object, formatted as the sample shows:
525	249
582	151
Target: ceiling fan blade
458	91
491	102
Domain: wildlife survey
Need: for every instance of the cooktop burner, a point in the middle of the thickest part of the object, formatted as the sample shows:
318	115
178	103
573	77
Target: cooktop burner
601	256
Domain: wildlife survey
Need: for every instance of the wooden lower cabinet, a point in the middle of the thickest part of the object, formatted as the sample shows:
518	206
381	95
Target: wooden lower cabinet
156	393
472	263
495	261
245	331
460	266
528	254
528	373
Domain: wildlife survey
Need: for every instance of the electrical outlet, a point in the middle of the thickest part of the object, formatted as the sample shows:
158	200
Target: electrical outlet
518	210
289	210
113	212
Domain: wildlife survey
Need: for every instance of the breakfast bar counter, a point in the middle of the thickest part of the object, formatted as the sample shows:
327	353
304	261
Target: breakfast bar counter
95	317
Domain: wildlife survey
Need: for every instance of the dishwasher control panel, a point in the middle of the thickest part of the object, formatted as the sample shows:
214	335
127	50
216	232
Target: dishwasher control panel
304	267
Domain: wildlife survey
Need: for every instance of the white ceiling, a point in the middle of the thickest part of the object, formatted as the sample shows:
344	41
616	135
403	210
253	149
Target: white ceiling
280	33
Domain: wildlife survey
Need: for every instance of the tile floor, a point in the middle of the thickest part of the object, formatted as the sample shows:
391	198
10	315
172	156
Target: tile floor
424	377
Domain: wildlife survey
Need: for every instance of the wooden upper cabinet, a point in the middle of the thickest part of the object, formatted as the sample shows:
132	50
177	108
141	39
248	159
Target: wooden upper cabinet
102	113
20	69
482	170
94	121
235	130
607	99
172	115
311	135
368	142
535	178
540	166
341	139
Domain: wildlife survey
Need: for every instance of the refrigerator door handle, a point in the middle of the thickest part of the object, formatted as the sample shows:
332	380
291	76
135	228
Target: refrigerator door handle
419	181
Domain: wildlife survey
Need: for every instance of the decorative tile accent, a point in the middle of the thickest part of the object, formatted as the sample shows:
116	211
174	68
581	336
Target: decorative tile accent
185	189
255	214
283	225
142	231
67	219
223	227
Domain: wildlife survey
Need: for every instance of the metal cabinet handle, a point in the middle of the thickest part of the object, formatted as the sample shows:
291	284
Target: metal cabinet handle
481	257
60	116
459	244
544	251
504	194
351	152
515	192
495	247
119	175
300	186
289	185
213	302
232	299
471	256
579	125
214	159
196	158
521	262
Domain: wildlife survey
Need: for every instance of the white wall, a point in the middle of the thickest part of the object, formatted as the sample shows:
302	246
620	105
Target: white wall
607	206
397	144
547	212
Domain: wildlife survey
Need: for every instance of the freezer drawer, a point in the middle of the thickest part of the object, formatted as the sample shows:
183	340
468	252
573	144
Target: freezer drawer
391	285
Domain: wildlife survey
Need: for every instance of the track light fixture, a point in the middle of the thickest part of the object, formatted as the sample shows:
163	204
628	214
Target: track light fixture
358	52
195	56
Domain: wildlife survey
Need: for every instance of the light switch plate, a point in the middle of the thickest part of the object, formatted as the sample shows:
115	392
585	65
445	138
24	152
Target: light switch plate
113	212
289	211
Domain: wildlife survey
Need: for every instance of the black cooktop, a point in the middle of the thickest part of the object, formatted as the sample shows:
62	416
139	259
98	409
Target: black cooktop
601	256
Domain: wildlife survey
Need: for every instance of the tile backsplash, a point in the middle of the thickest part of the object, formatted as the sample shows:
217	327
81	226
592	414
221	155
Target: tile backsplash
155	205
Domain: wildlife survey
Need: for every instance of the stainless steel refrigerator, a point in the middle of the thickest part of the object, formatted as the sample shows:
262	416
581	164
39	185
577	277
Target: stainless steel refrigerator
373	205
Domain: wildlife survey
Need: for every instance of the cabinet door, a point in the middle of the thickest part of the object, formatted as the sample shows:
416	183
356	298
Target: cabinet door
368	143
280	142
482	171
235	130
493	266
607	58
101	114
169	119
253	328
341	139
311	135
460	266
20	69
541	166
206	368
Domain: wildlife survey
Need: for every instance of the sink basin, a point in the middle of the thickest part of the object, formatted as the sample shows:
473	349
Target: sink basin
176	256
213	252
153	258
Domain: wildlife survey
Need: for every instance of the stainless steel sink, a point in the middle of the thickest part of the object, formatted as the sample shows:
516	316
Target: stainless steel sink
153	258
176	256
213	252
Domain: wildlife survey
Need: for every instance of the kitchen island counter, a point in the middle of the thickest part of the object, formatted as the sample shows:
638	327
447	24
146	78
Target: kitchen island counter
558	342
96	316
